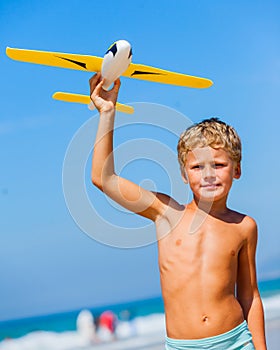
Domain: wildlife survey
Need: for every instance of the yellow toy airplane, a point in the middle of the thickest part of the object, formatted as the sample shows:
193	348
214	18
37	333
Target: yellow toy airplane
116	62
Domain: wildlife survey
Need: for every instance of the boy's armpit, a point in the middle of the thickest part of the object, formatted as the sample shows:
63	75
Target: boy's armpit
169	201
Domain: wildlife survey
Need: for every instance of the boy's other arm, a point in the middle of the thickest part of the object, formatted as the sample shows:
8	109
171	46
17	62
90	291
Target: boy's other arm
128	194
247	289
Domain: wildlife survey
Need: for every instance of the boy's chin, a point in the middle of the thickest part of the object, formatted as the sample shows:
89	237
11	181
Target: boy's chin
209	197
208	200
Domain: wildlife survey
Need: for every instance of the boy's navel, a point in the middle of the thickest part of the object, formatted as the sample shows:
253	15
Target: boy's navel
204	318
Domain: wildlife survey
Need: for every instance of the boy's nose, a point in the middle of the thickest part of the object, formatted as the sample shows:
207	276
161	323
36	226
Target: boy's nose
208	173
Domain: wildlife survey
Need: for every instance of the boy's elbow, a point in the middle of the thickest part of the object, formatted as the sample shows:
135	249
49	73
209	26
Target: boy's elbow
107	182
96	181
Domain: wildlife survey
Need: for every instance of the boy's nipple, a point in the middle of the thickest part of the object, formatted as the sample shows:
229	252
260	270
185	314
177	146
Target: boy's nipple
178	242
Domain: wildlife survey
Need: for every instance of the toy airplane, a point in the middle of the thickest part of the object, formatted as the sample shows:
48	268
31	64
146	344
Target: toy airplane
116	62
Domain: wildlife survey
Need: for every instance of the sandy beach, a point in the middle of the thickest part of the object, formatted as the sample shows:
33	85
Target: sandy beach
155	341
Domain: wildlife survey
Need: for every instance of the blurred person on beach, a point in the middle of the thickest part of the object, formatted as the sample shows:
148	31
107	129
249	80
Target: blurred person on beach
206	251
106	328
86	326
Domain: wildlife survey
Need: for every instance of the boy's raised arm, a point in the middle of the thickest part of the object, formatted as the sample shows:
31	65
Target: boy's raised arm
126	193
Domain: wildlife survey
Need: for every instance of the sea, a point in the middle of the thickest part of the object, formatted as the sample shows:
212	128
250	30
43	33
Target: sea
140	325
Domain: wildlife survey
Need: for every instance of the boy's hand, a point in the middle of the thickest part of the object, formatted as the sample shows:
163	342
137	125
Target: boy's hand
103	100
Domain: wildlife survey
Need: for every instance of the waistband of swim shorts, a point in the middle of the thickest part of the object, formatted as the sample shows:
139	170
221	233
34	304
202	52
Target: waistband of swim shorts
209	340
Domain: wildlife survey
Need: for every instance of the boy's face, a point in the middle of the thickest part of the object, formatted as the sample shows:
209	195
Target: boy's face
210	173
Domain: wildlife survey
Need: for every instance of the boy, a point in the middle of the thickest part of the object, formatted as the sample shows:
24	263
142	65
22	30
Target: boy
206	251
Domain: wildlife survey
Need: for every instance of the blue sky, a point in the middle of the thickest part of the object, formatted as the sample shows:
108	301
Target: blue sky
47	264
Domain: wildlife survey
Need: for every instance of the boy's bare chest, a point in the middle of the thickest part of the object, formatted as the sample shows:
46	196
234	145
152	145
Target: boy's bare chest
214	244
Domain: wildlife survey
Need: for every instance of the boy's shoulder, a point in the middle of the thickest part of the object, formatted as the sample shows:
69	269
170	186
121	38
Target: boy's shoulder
250	229
247	225
241	217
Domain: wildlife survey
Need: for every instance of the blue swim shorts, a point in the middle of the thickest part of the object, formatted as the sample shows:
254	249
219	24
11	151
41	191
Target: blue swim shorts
239	338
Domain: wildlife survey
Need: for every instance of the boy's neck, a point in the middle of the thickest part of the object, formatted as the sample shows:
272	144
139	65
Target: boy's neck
214	208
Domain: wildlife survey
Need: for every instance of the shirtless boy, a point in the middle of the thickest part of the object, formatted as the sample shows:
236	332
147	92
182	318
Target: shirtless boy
206	250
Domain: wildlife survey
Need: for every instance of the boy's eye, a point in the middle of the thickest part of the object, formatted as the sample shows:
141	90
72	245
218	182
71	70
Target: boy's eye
197	166
219	165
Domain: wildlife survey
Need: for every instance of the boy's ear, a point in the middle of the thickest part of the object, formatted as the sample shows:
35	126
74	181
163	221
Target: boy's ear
237	171
184	175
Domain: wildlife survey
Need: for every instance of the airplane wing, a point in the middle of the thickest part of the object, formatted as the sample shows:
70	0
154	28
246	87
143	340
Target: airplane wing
140	71
56	59
85	99
94	63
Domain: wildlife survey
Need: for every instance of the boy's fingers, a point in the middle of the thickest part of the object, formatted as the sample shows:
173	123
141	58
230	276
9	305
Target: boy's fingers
117	85
94	80
98	87
96	90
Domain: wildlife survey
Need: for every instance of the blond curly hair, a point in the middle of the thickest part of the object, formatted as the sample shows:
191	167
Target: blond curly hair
210	132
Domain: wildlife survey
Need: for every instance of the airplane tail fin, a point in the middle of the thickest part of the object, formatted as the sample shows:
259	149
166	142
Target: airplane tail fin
85	99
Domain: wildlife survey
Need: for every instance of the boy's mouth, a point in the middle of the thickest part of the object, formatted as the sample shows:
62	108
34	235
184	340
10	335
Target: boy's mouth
210	186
